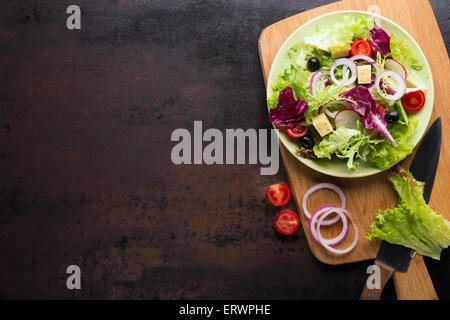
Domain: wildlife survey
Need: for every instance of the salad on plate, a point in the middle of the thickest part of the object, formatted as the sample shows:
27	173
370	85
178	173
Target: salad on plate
348	92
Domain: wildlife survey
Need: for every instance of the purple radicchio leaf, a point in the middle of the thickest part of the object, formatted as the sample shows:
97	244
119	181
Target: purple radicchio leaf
362	102
289	112
380	41
376	122
360	99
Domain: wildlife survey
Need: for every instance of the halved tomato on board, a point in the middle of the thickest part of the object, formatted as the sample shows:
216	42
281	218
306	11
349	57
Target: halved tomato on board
297	132
287	222
278	194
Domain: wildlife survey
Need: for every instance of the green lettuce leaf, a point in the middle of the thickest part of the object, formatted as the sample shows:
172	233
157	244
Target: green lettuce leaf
403	53
412	223
334	142
348	144
385	155
328	93
342	33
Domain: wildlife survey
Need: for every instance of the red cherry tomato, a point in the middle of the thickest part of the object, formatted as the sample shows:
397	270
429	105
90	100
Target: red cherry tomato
278	194
414	100
297	132
287	222
360	46
381	109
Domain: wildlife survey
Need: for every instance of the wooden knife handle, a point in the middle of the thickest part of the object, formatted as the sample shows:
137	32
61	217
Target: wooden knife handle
374	293
415	284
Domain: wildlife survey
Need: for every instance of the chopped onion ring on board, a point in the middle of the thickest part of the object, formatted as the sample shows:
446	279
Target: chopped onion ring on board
312	226
341	213
323	186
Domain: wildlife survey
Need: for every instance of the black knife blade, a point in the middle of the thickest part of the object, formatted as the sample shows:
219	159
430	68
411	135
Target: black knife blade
393	257
423	168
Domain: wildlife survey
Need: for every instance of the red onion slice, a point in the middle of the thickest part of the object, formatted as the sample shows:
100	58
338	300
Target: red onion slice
323	186
399	91
363	57
346	63
341	213
312	225
369	60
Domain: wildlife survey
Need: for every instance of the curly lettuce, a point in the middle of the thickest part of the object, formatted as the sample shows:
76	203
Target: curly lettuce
341	35
402	51
385	155
412	223
329	93
352	145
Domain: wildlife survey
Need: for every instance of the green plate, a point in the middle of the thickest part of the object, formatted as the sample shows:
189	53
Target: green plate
336	167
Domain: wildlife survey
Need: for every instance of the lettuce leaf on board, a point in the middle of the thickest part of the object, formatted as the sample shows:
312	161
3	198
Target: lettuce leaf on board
412	223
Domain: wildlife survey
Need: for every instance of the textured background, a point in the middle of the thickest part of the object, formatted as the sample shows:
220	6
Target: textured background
85	170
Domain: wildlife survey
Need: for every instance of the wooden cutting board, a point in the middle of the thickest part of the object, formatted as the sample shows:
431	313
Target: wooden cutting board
366	195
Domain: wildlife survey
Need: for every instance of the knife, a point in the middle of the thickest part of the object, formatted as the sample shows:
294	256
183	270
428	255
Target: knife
396	258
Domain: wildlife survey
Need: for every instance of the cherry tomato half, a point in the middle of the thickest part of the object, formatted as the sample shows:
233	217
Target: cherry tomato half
360	46
381	109
414	100
278	194
297	132
287	222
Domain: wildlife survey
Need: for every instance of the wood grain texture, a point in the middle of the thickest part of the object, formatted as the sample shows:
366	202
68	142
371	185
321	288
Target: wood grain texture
415	284
366	195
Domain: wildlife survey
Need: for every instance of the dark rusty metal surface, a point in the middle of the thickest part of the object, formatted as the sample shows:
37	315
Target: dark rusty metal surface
85	170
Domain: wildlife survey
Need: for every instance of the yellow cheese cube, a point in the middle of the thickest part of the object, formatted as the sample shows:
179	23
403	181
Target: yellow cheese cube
322	124
339	53
364	74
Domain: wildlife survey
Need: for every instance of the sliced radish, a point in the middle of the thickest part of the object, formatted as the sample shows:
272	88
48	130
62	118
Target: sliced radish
340	104
318	82
394	65
346	118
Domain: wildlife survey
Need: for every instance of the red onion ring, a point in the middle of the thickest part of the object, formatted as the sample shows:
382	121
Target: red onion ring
345	62
341	213
328	210
369	60
362	57
323	186
401	85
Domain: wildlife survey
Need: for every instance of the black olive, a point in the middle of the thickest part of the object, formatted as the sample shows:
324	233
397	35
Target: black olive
313	64
306	142
392	116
